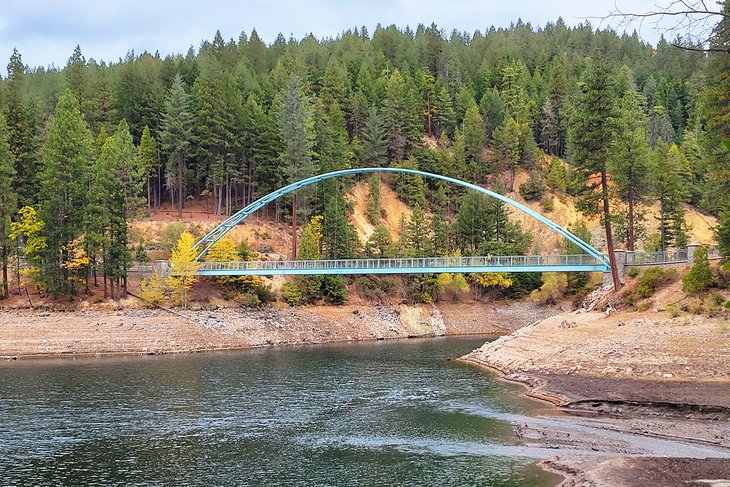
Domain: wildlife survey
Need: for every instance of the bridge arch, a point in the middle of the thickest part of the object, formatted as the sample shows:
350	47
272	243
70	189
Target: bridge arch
205	243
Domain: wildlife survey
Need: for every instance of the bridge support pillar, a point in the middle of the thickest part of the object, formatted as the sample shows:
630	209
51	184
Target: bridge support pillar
691	249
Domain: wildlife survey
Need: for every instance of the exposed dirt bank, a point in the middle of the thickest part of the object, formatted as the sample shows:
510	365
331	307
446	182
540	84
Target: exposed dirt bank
633	375
32	333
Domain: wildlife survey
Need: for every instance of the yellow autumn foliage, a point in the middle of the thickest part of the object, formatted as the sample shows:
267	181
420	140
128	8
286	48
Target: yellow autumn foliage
183	267
152	290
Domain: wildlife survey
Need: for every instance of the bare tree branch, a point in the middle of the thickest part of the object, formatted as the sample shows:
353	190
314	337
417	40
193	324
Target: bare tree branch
694	24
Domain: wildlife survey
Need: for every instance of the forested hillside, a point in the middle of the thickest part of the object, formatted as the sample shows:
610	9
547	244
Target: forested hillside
88	147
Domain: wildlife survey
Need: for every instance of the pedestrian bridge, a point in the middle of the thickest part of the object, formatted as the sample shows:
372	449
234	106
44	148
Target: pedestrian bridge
422	265
592	260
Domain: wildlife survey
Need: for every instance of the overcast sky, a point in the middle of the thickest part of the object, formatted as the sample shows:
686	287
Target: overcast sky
46	31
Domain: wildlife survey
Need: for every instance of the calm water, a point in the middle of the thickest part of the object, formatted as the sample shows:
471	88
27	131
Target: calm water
384	413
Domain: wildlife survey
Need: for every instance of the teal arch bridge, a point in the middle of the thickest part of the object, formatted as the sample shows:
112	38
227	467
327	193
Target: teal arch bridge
592	260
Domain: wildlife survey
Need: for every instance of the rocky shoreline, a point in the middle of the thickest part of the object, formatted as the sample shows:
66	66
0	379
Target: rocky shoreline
27	333
637	376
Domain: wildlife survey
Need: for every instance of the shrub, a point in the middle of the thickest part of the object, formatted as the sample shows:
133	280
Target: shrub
452	286
633	272
245	252
291	294
718	299
376	288
694	306
652	279
534	187
699	278
171	234
248	300
552	289
548	205
673	310
152	290
140	252
334	289
264	293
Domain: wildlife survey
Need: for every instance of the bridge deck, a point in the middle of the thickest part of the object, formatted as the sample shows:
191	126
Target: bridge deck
425	265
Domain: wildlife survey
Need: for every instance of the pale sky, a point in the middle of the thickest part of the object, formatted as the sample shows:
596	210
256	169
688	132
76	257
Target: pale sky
46	31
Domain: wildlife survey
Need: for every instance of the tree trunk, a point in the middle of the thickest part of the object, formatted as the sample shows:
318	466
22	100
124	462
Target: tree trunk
103	253
17	265
149	193
630	230
159	186
662	226
179	186
6	285
609	233
294	227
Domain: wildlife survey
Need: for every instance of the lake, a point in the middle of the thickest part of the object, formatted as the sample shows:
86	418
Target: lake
368	413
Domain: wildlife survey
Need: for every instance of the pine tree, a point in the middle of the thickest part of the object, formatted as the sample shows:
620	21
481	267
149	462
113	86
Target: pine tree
218	112
67	157
76	77
444	117
176	138
592	135
23	132
8	202
262	147
401	115
440	232
149	161
629	163
669	190
115	186
418	238
379	243
374	139
296	129
508	140
715	111
373	205
338	235
138	93
410	187
333	145
557	176
474	138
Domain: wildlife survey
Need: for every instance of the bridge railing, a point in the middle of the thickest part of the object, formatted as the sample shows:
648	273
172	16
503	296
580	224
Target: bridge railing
410	263
662	257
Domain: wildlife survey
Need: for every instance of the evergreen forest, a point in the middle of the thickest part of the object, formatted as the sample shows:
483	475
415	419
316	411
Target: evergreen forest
600	116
